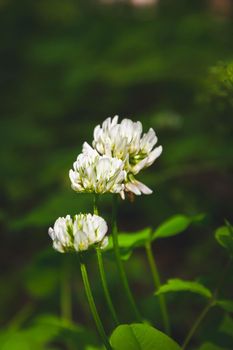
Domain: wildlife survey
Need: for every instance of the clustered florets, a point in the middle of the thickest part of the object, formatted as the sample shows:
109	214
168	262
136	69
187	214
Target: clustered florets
120	151
95	173
78	233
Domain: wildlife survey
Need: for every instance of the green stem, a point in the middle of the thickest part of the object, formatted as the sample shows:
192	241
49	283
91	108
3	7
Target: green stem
96	200
18	320
66	304
211	303
119	263
92	305
197	323
157	283
102	271
105	286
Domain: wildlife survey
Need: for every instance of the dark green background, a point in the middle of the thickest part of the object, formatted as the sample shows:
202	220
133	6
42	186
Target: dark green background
67	65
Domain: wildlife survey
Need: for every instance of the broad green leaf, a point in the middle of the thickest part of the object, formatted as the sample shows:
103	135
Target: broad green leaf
224	236
141	337
175	225
178	285
227	305
210	346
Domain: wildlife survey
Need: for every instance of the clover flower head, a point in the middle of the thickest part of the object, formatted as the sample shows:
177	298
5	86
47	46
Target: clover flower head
125	141
97	173
79	234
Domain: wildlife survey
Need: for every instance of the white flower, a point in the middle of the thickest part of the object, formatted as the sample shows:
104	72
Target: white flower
84	231
62	234
136	187
125	141
95	173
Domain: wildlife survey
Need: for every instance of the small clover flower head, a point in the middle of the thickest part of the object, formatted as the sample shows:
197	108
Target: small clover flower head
95	173
79	234
125	141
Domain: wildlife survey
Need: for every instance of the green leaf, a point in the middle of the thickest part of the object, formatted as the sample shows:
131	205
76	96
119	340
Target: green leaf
175	225
141	337
128	241
227	325
178	285
227	305
210	346
44	330
224	236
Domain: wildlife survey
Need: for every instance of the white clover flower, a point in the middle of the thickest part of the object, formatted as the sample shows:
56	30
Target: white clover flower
79	234
98	174
125	141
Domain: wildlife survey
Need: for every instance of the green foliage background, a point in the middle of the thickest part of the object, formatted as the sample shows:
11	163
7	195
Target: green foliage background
67	65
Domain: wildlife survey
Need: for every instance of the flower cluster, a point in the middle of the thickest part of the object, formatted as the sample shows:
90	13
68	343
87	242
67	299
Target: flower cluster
98	174
78	233
120	151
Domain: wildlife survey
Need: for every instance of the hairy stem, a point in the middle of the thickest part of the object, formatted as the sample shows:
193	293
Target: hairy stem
92	305
119	263
157	284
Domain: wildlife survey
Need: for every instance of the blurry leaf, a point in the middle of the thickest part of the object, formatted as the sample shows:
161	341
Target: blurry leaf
34	337
219	84
227	326
141	337
45	329
178	285
227	305
224	236
209	346
67	330
42	281
175	225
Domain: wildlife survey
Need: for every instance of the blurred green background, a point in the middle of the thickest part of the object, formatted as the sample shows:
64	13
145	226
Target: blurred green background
67	65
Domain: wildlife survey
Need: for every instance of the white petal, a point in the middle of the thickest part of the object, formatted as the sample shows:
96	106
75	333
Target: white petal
154	155
104	243
131	187
80	241
143	188
139	166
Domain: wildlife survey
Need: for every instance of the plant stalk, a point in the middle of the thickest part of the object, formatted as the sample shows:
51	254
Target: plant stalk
157	284
92	305
102	271
119	263
105	286
66	304
197	323
211	303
